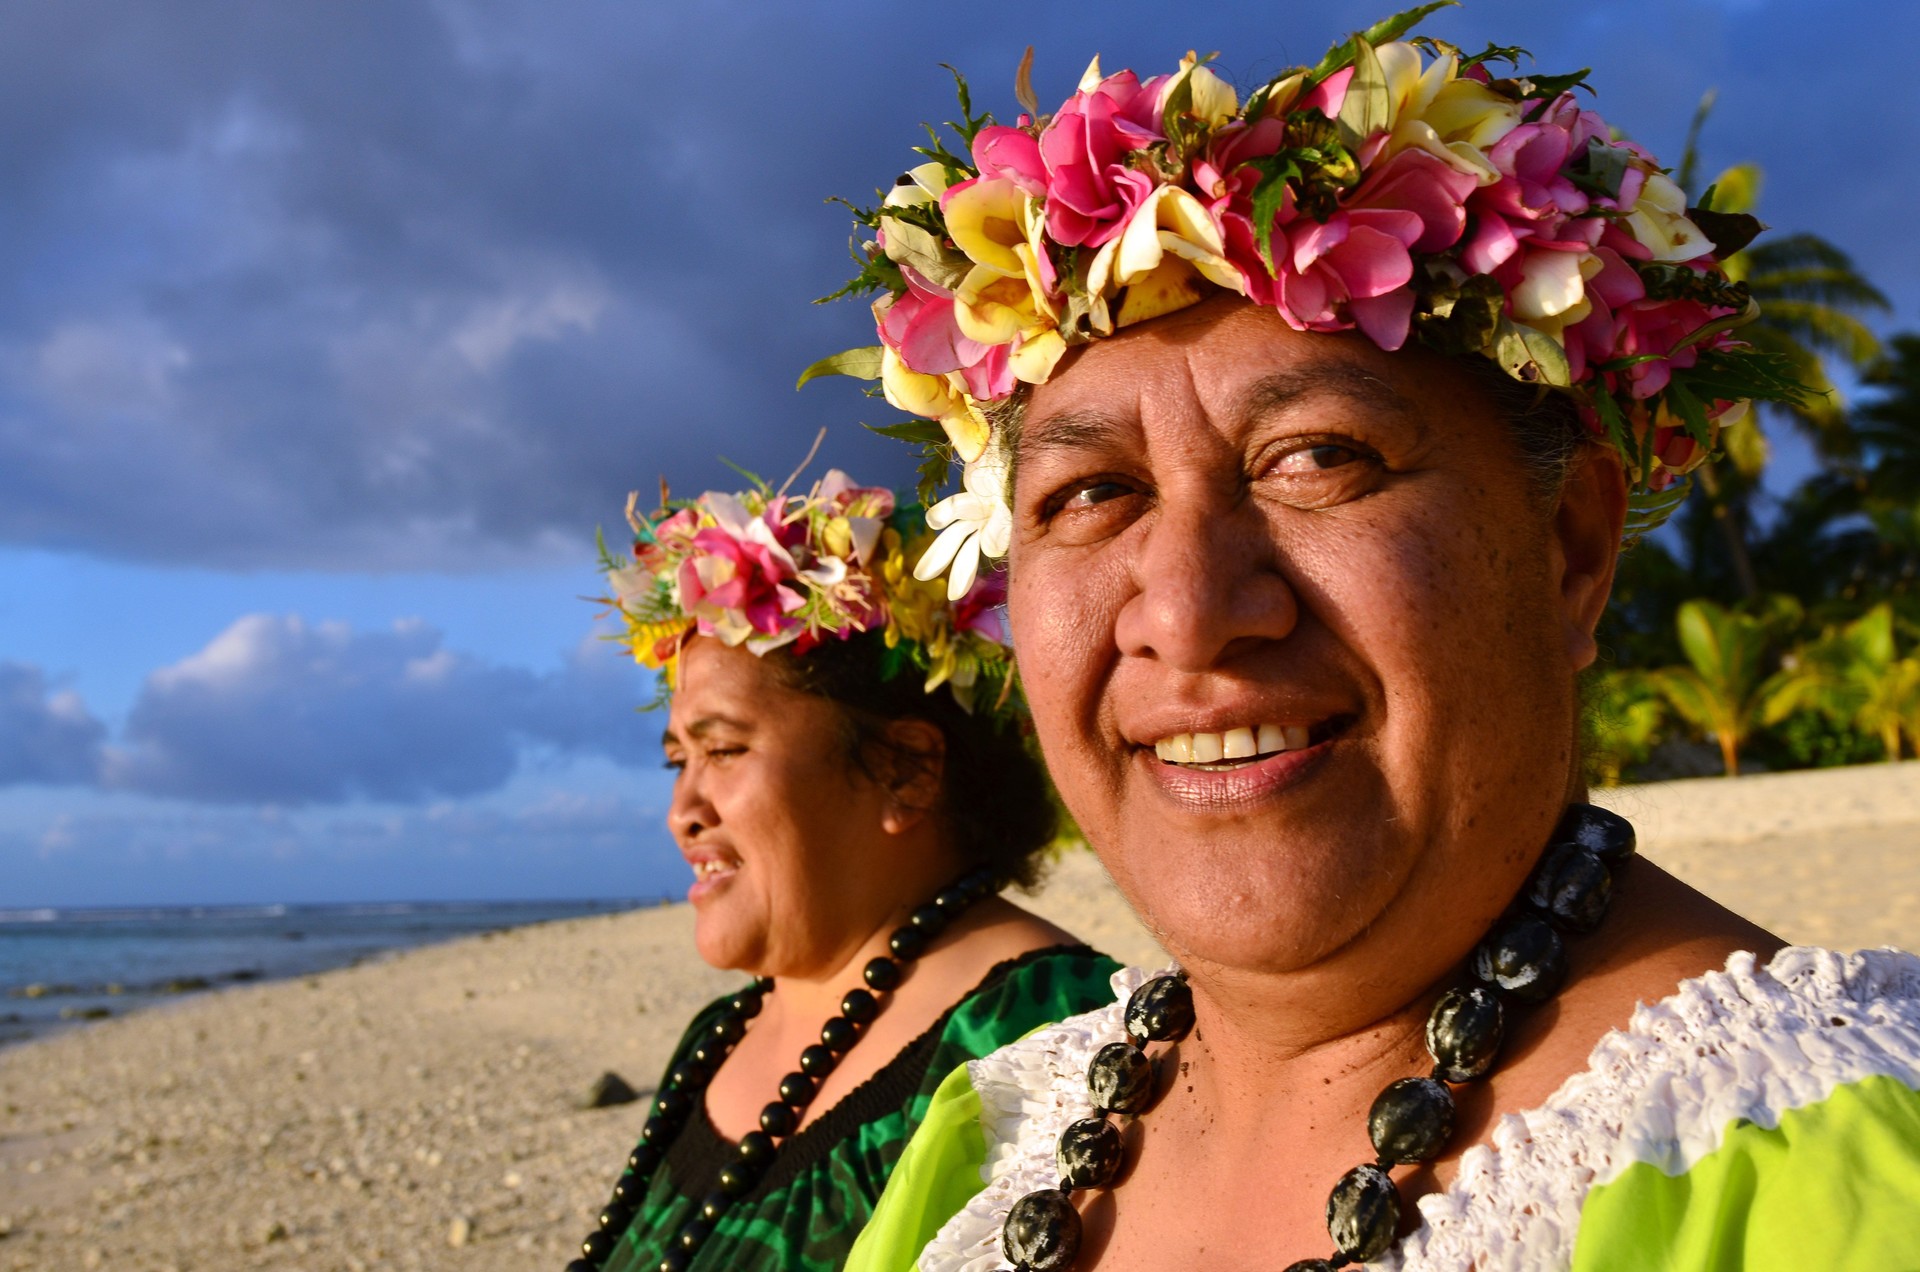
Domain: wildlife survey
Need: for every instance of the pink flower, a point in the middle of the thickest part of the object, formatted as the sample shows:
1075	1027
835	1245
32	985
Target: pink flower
983	609
1351	270
733	582
919	325
1535	198
1085	148
1011	153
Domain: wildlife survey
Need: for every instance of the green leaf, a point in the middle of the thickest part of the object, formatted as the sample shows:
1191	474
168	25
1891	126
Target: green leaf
1268	198
1367	107
1530	355
1606	168
922	432
1340	56
861	364
1691	411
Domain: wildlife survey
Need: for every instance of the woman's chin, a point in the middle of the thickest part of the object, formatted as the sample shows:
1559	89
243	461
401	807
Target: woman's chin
1250	908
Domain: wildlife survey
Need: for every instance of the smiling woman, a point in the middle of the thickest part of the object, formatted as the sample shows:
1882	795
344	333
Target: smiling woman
833	724
1326	415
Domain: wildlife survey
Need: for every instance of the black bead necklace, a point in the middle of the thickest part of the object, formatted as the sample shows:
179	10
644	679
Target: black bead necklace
681	1097
1522	959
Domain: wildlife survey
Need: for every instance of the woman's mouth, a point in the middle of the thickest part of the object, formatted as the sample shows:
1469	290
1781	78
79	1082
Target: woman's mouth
1239	747
710	874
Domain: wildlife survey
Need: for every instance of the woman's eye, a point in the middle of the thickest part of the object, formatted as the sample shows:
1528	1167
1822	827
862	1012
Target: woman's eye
1317	458
1092	493
724	752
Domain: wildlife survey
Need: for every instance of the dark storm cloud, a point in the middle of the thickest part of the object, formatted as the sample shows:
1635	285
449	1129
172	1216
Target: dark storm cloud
278	710
47	736
407	284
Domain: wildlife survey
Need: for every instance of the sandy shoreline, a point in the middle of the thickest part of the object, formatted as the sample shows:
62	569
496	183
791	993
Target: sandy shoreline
371	1117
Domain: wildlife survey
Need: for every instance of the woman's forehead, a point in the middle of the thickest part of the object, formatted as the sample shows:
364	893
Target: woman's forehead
1234	364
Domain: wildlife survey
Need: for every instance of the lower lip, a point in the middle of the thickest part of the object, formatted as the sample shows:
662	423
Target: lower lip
1236	789
707	885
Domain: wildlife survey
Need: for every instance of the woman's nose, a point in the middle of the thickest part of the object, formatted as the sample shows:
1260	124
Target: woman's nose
690	811
1209	580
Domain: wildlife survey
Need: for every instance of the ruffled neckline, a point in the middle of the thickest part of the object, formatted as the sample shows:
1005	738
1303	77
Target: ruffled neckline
1748	1042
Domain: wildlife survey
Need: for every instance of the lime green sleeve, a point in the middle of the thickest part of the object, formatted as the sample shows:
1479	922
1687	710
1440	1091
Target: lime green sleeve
1836	1186
939	1172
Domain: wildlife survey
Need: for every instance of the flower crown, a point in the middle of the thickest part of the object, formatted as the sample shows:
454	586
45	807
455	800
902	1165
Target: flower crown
768	570
1398	188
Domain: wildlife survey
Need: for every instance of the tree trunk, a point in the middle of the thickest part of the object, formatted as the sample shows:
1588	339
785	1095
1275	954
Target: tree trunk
1729	751
1733	530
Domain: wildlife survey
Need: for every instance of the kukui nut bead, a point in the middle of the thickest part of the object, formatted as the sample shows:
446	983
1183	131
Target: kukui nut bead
673	1106
1042	1233
714	1205
930	919
737	1179
797	1089
1161	1010
1310	1265
1572	887
1464	1032
658	1132
1411	1121
643	1159
816	1061
908	943
629	1189
1525	957
1089	1153
953	900
882	974
779	1120
597	1247
1120	1078
746	1005
674	1261
616	1217
1363	1213
693	1234
839	1034
580	1265
728	1029
756	1149
859	1006
1605	834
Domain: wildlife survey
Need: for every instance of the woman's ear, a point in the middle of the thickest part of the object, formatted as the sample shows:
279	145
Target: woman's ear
913	771
1586	538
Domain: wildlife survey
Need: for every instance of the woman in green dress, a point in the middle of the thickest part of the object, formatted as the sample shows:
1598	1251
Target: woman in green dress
1310	421
853	789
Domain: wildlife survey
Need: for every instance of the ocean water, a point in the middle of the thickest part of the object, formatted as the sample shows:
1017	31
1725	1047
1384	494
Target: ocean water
62	967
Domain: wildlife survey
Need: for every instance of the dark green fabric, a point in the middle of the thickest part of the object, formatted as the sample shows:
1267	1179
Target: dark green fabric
821	1190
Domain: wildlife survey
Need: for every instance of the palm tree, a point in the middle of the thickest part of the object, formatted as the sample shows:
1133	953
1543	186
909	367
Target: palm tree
1624	711
1851	676
1725	692
1812	302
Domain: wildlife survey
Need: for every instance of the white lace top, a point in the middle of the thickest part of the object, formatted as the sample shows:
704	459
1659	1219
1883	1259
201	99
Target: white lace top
1748	1043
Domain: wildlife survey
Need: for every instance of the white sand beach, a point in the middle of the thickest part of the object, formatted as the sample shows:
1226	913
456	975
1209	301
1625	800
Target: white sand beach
423	1112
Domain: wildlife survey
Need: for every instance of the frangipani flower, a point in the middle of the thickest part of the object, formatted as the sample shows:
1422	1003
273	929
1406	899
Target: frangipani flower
763	570
1394	190
972	524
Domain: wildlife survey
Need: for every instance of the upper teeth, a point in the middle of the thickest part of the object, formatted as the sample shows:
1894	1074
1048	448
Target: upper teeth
1234	744
707	869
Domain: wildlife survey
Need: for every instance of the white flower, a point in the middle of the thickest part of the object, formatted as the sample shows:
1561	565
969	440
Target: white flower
974	523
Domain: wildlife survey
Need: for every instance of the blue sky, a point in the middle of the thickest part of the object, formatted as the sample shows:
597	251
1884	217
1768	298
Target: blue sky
332	331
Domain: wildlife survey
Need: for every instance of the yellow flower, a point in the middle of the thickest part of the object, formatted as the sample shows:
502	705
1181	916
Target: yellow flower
1659	221
1214	102
936	397
984	219
1169	243
1552	292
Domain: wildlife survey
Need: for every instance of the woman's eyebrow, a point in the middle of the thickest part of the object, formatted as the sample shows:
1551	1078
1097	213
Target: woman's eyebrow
1329	378
1070	431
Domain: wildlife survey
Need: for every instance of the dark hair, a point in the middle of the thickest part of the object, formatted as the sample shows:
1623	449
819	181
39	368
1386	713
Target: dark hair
996	805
